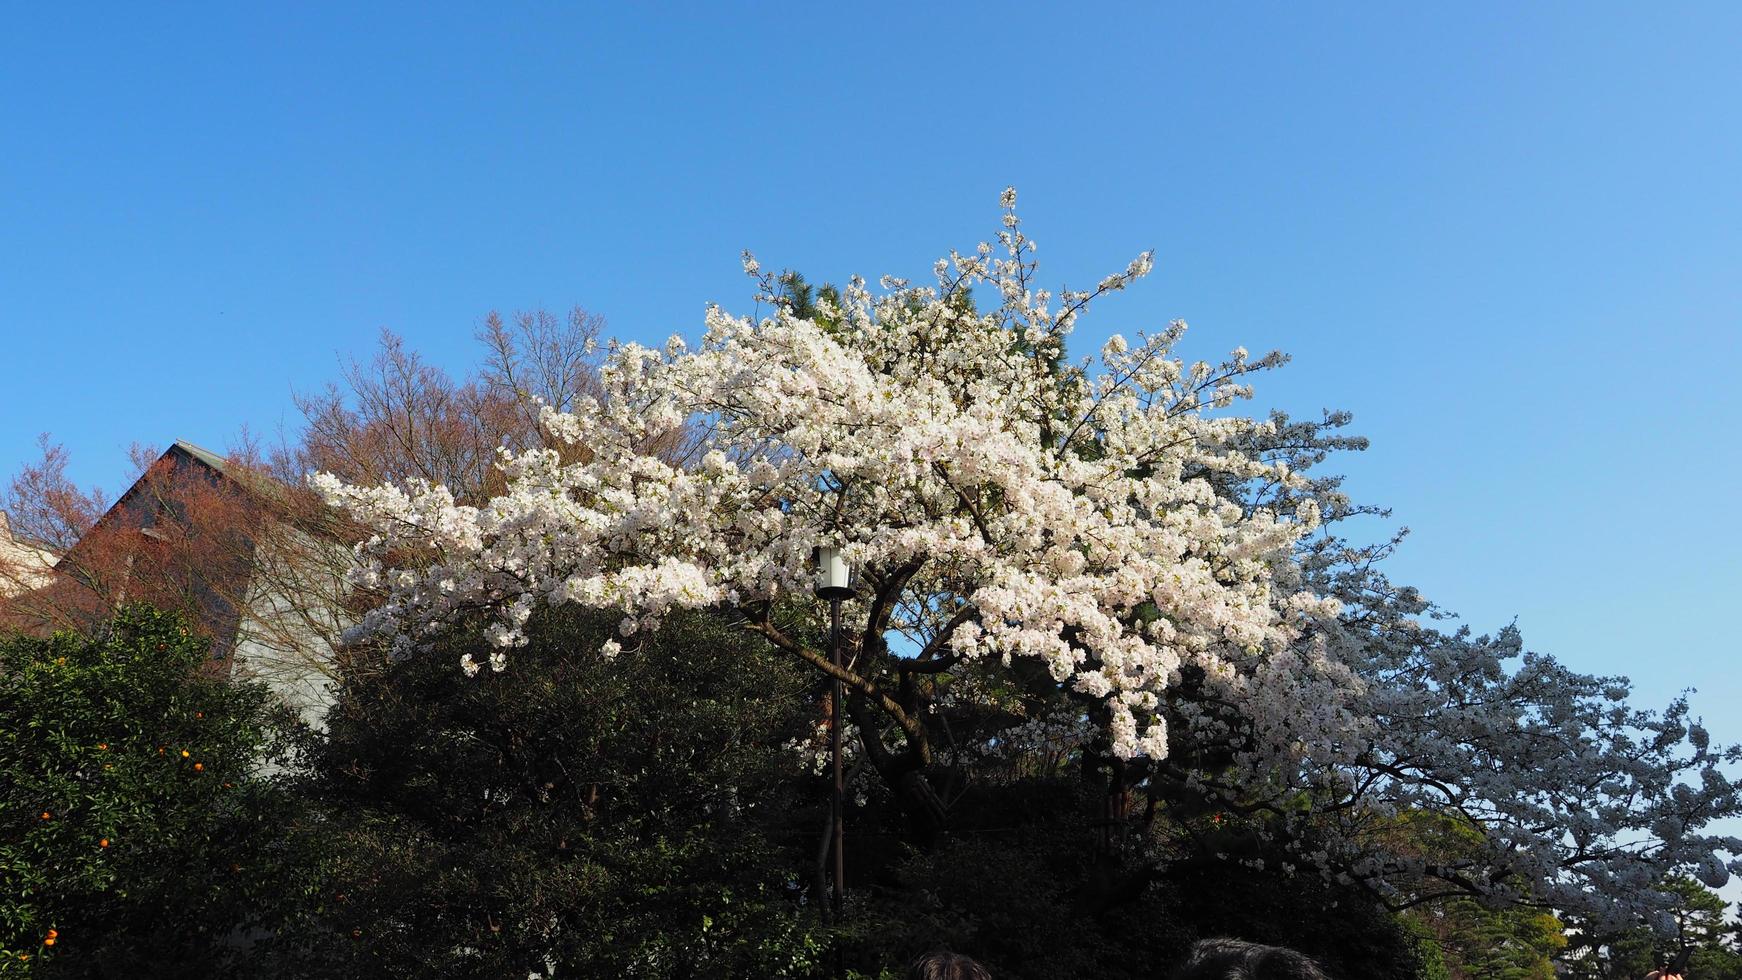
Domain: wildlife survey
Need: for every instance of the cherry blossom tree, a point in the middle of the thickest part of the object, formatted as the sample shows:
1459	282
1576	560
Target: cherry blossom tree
1100	549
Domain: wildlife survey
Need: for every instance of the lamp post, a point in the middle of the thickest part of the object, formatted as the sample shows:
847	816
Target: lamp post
834	584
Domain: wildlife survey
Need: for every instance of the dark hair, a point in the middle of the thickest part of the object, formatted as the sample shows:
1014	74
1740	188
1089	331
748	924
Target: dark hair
1234	959
946	966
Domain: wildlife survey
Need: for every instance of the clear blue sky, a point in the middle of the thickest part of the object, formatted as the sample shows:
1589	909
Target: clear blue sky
1510	240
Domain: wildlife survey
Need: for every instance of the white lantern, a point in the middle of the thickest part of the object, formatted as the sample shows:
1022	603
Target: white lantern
833	578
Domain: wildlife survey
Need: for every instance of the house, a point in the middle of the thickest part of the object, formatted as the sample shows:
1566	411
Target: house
23	566
248	560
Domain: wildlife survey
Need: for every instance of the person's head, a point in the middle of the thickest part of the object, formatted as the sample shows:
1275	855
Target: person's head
1234	959
946	966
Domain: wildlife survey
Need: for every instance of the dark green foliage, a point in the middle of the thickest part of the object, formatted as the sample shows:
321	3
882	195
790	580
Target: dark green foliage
641	818
1346	931
630	818
636	817
1019	885
120	738
1014	900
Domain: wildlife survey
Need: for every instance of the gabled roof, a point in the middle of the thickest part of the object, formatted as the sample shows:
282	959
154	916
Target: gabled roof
128	501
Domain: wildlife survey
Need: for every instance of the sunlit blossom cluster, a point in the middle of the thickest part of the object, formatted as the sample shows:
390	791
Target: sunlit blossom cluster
1059	515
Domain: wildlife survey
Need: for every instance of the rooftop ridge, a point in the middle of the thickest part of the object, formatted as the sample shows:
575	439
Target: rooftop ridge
202	454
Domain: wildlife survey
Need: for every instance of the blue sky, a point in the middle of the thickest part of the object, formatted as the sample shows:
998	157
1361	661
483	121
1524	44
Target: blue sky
1507	239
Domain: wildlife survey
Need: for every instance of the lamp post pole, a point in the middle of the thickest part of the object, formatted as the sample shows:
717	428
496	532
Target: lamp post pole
834	584
837	803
